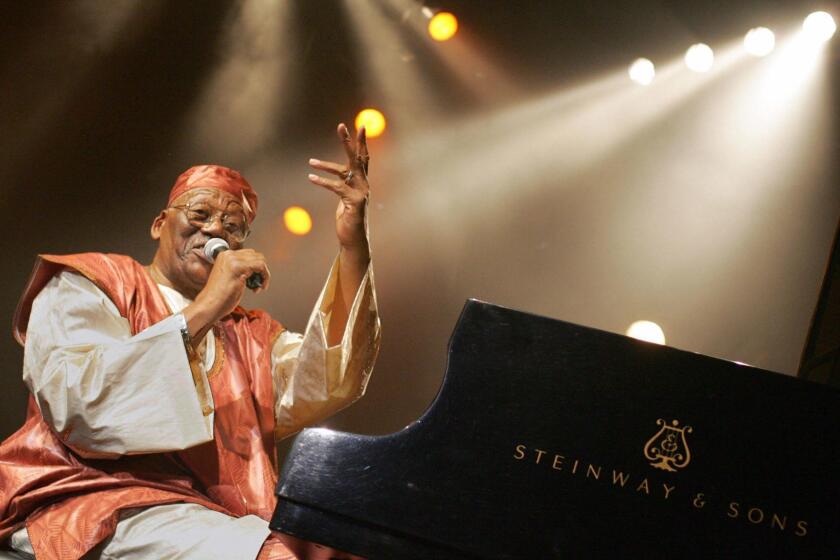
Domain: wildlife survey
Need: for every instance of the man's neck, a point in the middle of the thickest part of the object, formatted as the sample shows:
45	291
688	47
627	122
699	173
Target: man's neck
161	278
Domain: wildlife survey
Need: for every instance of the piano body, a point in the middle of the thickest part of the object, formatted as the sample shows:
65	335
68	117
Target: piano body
551	440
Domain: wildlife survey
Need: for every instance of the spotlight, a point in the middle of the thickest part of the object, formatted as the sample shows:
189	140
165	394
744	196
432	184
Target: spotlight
642	71
443	26
819	26
647	331
759	41
373	121
699	57
297	220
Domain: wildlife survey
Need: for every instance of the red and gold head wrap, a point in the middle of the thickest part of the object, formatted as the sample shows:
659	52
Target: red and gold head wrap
220	178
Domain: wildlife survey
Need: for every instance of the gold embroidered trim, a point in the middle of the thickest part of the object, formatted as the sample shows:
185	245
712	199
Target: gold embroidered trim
200	388
192	358
219	358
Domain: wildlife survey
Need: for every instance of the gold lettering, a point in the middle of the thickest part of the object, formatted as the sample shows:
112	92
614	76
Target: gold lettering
750	516
668	489
620	476
595	474
558	462
520	452
733	510
801	528
644	485
540	453
699	502
574	467
782	523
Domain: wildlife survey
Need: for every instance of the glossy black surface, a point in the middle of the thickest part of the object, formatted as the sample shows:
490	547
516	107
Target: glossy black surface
454	484
821	355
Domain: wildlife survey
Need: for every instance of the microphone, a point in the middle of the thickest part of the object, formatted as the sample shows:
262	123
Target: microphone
216	245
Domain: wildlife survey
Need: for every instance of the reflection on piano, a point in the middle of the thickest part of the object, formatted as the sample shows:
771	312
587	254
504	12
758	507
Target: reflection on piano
551	440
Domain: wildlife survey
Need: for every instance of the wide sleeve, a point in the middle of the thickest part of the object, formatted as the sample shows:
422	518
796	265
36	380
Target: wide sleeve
105	392
313	381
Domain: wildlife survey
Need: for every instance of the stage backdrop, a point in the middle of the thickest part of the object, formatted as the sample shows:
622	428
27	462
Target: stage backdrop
520	164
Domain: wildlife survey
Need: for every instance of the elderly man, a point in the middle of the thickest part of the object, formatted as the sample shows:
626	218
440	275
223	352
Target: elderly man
157	400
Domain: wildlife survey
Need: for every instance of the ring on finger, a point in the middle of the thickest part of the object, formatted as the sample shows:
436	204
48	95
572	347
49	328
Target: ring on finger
347	176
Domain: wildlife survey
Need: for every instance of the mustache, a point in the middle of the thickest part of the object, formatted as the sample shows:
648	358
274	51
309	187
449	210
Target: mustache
197	242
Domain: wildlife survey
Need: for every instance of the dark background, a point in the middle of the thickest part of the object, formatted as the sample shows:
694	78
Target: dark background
717	231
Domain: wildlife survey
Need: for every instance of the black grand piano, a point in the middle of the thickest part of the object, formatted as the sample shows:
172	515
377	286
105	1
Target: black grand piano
552	440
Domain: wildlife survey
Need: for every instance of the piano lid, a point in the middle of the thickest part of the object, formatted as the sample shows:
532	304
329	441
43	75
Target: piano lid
552	440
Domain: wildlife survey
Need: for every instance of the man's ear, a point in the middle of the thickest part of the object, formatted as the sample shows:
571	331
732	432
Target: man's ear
157	225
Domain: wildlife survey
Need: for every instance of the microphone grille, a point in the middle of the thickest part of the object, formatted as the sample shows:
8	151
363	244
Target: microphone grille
213	247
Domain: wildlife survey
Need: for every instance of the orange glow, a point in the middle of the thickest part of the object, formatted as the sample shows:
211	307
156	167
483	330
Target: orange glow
372	120
297	220
443	26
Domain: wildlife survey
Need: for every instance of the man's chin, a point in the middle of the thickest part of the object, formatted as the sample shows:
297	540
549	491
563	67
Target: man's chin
198	273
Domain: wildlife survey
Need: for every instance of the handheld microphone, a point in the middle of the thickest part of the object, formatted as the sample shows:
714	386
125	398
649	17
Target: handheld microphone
216	245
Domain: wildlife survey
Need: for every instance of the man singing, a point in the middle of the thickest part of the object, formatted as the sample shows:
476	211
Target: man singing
156	400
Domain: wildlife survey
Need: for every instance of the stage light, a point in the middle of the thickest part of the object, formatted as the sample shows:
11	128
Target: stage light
819	26
642	71
759	41
373	121
297	220
443	26
647	331
699	57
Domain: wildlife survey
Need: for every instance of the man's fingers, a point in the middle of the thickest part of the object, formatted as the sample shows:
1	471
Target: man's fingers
266	277
357	156
347	193
328	166
362	155
335	185
347	142
257	266
246	262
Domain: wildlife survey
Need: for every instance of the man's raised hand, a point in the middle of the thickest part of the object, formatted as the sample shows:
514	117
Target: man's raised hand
351	185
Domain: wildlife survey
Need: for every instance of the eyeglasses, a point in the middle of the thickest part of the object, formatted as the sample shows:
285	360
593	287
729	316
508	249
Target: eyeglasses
199	214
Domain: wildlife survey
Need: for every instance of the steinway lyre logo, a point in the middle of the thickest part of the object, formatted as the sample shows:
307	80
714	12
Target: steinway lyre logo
668	449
